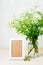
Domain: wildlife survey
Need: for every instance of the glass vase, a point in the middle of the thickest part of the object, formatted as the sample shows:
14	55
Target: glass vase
33	51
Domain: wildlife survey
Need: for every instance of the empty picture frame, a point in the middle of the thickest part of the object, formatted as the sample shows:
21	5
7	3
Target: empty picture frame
17	48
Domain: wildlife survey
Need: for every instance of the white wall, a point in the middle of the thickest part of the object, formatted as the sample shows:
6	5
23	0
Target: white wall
8	8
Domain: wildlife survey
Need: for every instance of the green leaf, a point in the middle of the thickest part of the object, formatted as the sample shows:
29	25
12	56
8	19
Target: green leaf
41	32
26	59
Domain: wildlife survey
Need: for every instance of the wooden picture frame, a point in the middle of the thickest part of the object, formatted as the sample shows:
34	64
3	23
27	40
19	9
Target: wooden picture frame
17	48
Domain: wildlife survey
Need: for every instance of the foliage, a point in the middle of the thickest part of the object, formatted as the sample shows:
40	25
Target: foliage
30	25
26	59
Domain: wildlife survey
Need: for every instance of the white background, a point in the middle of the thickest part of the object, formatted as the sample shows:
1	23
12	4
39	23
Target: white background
8	9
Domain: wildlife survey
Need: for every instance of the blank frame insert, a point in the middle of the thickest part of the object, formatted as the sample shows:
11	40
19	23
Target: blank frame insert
16	48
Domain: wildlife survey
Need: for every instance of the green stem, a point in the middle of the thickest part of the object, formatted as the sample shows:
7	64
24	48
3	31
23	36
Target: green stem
34	43
30	50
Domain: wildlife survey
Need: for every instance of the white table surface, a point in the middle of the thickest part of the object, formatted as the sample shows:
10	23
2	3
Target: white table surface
4	59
